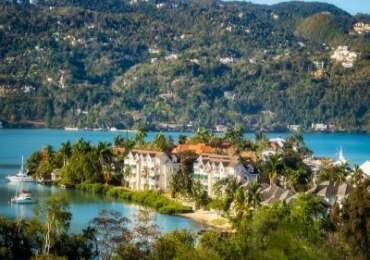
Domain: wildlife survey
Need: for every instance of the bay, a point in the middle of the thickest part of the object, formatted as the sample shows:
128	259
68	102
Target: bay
84	206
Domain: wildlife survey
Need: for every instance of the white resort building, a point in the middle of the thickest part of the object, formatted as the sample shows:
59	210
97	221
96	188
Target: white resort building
210	168
150	170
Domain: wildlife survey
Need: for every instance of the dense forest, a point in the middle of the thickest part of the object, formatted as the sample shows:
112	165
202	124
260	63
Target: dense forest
120	63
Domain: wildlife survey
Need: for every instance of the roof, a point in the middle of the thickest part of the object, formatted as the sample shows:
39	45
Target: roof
248	155
119	149
147	152
227	160
196	148
330	190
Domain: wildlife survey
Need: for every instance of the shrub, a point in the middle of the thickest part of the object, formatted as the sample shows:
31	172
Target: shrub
151	199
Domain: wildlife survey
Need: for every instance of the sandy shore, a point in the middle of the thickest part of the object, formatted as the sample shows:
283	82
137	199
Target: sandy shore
209	218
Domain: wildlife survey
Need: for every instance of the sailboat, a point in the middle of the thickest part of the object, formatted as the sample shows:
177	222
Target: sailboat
24	197
21	176
341	159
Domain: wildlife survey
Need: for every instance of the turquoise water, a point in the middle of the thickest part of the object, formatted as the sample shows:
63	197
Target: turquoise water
17	142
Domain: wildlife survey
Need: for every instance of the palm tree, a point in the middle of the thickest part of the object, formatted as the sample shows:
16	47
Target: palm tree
274	166
66	151
253	195
140	136
240	203
81	147
118	140
104	150
336	174
227	187
107	173
357	175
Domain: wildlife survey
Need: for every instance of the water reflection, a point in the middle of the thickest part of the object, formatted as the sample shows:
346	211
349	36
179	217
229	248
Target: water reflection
84	206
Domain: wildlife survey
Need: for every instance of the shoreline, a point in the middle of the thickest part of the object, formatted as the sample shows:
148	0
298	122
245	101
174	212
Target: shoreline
210	219
360	132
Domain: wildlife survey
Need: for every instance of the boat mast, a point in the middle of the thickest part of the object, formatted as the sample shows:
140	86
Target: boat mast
22	166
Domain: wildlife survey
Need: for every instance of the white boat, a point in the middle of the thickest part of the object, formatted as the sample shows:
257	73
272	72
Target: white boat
341	159
21	176
22	198
67	128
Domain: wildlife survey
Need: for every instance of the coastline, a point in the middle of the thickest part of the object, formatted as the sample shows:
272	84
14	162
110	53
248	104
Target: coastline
210	219
42	126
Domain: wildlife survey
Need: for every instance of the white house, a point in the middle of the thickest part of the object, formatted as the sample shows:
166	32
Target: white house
55	175
361	27
365	168
149	170
343	55
226	60
319	127
210	168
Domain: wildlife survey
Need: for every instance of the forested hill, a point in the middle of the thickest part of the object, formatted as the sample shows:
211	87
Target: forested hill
94	63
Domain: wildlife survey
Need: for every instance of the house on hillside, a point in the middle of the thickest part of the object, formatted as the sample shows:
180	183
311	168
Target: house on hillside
210	168
344	56
320	127
361	28
150	170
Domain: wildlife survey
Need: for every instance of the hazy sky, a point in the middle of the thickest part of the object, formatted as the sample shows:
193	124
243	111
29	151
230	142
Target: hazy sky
351	6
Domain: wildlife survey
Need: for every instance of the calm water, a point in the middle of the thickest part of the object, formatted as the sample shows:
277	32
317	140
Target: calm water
84	207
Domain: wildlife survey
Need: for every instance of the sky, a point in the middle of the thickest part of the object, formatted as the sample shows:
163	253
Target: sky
351	6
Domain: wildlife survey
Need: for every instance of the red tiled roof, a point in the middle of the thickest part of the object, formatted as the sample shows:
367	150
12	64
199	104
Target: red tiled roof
196	148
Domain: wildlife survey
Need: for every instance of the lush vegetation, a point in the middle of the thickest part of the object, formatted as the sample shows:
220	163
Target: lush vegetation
302	230
102	64
152	199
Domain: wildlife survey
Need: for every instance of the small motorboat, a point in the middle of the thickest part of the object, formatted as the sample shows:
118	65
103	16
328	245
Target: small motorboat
22	198
21	176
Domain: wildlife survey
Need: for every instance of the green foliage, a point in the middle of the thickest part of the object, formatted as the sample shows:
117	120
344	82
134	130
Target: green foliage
182	181
355	221
325	28
151	199
99	65
14	242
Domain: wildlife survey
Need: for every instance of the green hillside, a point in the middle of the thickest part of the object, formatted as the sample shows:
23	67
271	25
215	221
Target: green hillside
123	63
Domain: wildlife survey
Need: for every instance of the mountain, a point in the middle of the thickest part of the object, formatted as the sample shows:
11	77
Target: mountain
92	63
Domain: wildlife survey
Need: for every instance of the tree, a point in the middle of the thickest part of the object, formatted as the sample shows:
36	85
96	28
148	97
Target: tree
118	140
240	204
145	231
182	139
253	195
355	221
336	174
57	223
14	241
182	180
274	167
172	245
357	175
33	162
111	231
141	134
199	194
160	142
66	151
202	135
227	188
235	136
